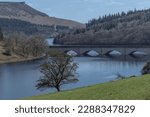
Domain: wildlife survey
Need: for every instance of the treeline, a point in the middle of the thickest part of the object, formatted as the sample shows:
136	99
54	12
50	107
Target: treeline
109	21
132	27
20	44
1	35
10	26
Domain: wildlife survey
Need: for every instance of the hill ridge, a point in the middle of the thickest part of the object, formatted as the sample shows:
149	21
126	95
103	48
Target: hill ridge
24	12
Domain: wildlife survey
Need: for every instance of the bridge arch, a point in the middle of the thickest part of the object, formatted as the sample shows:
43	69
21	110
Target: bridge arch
113	53
71	52
137	53
91	53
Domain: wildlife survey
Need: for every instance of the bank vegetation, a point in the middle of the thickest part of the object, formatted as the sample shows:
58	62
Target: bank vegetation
19	47
134	88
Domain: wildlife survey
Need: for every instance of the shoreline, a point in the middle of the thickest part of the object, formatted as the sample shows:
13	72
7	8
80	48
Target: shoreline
22	60
104	91
14	58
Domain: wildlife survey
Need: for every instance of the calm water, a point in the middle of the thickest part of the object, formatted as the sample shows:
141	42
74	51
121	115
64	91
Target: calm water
19	80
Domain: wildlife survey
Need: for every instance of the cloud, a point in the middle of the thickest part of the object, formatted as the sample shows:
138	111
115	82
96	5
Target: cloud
92	10
143	3
95	1
103	2
47	9
89	1
114	2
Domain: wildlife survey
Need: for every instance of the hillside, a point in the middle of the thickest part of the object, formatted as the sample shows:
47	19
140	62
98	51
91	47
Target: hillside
132	27
10	26
137	88
18	16
22	11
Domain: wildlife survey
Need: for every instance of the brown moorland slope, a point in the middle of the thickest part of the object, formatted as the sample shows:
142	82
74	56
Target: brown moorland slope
22	11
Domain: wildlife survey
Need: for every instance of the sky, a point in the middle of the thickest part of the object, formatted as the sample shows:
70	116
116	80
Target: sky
84	10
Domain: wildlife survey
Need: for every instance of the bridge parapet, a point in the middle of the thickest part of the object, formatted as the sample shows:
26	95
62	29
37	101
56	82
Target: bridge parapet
103	49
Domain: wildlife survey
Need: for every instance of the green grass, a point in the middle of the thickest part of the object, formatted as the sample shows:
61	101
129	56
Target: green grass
137	88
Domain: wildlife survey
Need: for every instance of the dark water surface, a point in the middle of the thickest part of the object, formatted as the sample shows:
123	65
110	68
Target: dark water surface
19	80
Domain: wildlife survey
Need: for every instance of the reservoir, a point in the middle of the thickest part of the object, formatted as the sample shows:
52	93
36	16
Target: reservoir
18	80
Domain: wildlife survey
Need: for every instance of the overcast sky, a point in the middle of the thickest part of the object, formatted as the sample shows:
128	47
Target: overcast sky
84	10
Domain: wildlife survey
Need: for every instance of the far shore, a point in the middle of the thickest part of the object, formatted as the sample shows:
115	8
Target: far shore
15	58
19	60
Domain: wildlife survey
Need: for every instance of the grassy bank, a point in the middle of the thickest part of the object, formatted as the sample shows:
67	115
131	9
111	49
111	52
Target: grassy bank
127	89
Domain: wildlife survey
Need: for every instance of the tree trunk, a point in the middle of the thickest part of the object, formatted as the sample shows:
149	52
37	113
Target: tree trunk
58	89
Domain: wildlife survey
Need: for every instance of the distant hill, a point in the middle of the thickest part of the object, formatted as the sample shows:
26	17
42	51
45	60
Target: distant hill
14	13
22	11
132	27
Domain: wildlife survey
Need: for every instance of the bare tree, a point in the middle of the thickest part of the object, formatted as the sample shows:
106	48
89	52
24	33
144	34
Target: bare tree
57	71
38	45
13	42
21	44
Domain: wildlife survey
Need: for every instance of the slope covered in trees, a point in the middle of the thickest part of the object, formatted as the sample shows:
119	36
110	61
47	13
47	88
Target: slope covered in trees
132	27
9	26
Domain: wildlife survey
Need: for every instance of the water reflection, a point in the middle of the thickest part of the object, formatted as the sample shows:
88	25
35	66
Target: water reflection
19	80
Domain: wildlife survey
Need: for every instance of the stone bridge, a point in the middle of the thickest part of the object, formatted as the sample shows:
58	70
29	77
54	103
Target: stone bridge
81	50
